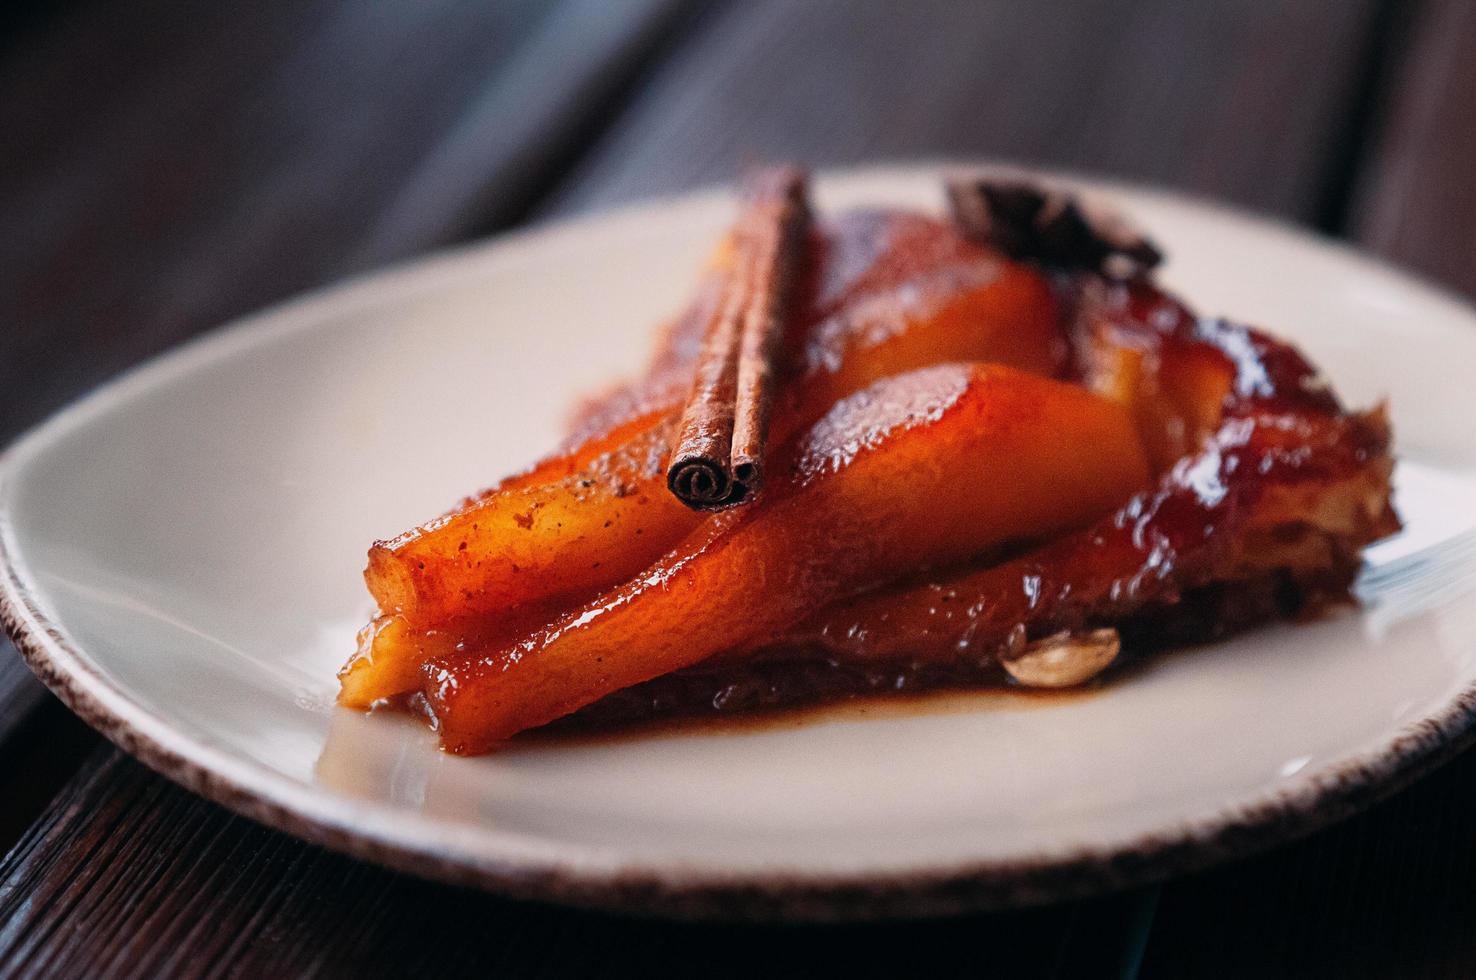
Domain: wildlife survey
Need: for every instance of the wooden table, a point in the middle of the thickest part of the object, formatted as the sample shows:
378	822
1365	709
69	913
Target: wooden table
163	169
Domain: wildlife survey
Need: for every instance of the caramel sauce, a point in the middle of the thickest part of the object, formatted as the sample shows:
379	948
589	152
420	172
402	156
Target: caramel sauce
576	733
1263	490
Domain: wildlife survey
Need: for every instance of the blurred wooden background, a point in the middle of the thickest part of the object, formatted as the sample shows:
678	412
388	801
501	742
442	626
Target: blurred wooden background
165	166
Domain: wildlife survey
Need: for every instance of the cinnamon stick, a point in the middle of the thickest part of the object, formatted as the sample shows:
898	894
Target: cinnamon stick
1037	223
718	457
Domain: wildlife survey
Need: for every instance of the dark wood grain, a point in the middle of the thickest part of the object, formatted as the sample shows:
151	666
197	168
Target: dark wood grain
164	167
20	693
40	744
1392	892
1416	201
1237	99
39	756
127	875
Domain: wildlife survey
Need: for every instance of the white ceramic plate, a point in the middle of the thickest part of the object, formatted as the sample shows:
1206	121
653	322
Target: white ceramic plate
182	554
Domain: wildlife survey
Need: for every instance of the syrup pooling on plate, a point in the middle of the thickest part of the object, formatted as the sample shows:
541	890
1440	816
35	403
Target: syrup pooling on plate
932	517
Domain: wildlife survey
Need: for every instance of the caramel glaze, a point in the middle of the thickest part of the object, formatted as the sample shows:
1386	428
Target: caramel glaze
1281	443
872	274
1263	522
1265	492
887	292
927	467
791	687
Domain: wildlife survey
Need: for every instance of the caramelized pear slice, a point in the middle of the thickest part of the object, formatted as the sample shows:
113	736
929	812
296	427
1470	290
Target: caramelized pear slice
1270	493
1264	473
562	540
929	467
388	660
391	652
893	292
903	291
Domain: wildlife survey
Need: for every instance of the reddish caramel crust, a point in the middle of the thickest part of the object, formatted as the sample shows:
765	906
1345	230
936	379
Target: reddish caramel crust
1266	519
1194	528
892	547
924	468
889	292
1282	459
546	535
